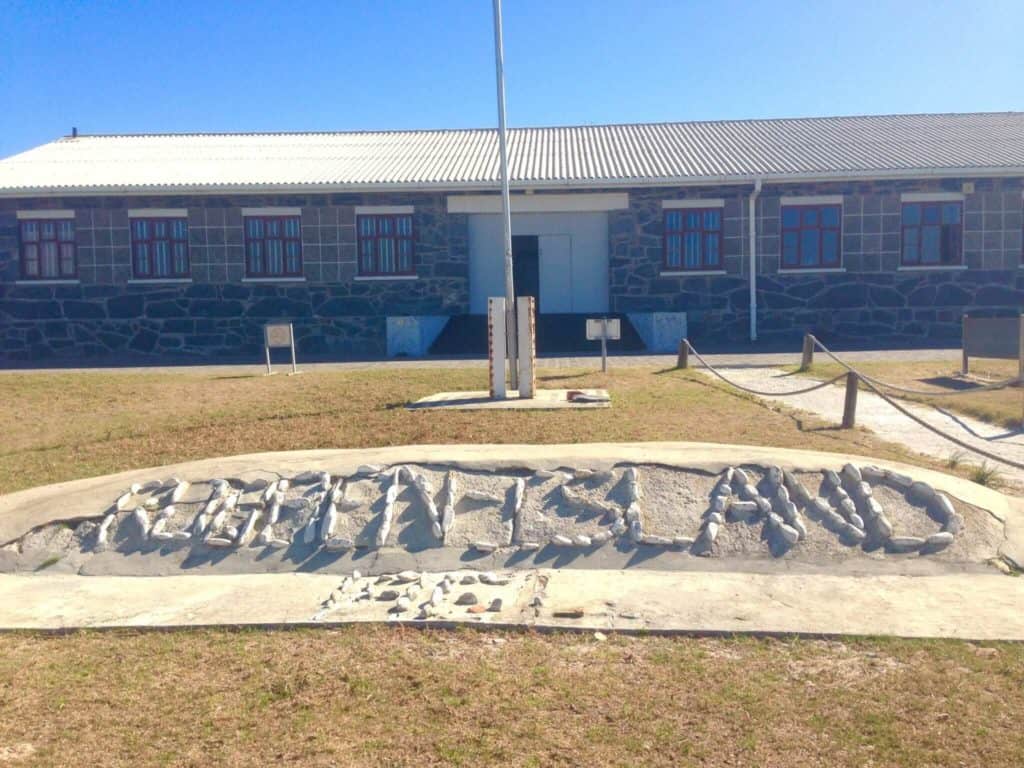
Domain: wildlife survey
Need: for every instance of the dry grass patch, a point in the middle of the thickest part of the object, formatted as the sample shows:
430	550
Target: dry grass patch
62	426
392	697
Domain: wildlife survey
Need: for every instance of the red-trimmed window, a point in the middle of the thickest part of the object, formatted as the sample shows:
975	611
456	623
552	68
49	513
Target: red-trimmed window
811	237
693	238
385	244
160	248
273	246
48	249
932	234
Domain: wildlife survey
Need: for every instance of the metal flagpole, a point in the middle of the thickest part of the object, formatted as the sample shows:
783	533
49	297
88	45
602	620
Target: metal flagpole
510	293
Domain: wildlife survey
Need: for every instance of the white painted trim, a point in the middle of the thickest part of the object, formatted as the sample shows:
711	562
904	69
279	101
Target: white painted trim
811	200
158	213
383	209
273	279
578	203
812	271
45	281
64	214
932	268
711	202
159	280
272	211
378	278
932	197
691	272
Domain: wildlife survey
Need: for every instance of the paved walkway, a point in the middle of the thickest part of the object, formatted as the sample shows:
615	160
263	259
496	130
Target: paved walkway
880	417
731	359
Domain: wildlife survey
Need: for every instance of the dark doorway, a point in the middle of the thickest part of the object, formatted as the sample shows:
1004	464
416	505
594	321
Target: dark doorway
526	266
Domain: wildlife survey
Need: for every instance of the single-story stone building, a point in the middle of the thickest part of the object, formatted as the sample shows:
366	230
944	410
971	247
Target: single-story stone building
873	228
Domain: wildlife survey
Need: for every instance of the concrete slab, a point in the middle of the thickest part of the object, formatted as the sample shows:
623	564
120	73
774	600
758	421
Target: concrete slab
977	607
544	400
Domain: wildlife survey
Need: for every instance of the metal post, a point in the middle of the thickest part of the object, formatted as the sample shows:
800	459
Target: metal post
850	405
510	293
964	365
683	360
604	345
1020	348
808	357
266	347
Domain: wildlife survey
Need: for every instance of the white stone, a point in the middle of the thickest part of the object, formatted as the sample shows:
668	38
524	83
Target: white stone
716	517
619	527
633	513
219	542
741	510
392	493
330	520
723	489
338	544
801	528
385	527
181	535
179	491
636	531
124	501
141	519
161	535
406	577
749	492
484	497
857	521
906	543
581	540
269	492
721	504
939	540
435	528
774	520
544	474
561	541
369	469
402	604
494	579
484	546
789	533
529	546
273	513
656	541
710	532
601	537
103	530
682	541
821	506
883	527
230	532
249	528
854	532
437	596
309	530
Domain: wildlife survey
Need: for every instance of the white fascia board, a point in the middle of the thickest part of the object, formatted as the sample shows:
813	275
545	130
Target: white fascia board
367	210
157	213
811	200
63	214
577	203
272	211
711	202
931	197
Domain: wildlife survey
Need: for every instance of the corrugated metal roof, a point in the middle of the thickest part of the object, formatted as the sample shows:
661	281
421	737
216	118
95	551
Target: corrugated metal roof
681	153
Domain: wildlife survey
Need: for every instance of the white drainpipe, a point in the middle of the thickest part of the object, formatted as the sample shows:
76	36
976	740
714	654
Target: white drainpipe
752	201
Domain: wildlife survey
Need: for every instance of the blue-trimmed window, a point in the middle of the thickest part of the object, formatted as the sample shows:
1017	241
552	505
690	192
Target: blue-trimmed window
811	237
385	244
273	246
48	249
693	239
160	248
932	234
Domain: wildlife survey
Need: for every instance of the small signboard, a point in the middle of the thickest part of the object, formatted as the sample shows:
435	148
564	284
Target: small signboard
608	329
277	336
604	329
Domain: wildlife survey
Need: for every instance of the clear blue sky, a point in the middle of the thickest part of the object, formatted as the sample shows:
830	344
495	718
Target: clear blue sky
148	66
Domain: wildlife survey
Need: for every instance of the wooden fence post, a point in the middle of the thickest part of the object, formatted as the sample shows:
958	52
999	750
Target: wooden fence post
807	360
850	404
683	360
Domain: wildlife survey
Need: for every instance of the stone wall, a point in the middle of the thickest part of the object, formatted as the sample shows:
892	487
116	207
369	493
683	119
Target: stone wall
871	298
217	312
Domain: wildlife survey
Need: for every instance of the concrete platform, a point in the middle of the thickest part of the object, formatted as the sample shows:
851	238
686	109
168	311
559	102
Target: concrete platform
975	607
545	400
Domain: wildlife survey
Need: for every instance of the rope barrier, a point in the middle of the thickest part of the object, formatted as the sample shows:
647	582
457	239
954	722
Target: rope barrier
917	392
819	385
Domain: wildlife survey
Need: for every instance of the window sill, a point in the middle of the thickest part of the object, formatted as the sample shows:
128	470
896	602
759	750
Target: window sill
273	279
691	272
932	268
812	271
55	281
376	278
160	281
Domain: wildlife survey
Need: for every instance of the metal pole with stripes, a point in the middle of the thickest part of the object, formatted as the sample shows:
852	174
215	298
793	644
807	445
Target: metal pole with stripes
510	292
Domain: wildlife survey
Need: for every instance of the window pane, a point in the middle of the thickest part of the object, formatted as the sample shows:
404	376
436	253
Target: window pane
160	228
49	231
29	231
931	245
692	249
911	215
32	260
141	259
67	230
790	217
293	262
387	254
366	225
275	257
673	220
931	214
830	216
161	259
673	249
405	226
405	255
385	225
181	259
830	248
692	220
810	217
951	213
711	250
291	227
256	257
809	255
48	260
911	251
67	259
789	249
179	229
366	256
272	227
254	227
139	229
712	219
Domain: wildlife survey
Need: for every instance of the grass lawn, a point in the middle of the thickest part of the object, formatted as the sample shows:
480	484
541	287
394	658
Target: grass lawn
392	697
1003	407
62	426
378	695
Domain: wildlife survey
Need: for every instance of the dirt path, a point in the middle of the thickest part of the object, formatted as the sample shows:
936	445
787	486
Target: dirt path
878	416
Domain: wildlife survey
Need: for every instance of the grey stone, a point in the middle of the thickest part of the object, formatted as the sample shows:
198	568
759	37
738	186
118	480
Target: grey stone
905	543
466	598
561	541
469	578
494	579
852	473
682	541
943	507
789	533
939	540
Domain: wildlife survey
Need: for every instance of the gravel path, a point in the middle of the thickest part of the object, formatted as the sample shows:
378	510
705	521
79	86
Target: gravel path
880	417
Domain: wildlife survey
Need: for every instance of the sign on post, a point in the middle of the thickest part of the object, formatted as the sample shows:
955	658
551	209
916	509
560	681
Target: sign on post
998	337
605	330
277	336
